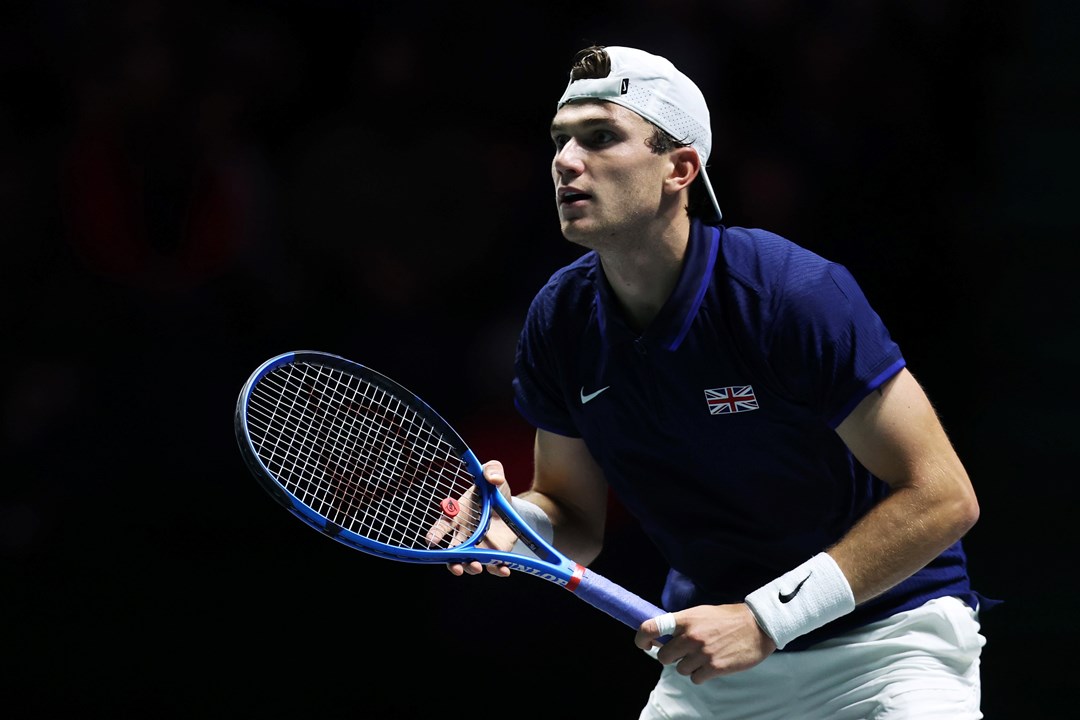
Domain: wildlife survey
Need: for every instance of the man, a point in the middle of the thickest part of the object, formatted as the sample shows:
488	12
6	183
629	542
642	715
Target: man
750	410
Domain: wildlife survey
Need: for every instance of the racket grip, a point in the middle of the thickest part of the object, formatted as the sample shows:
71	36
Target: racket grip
616	601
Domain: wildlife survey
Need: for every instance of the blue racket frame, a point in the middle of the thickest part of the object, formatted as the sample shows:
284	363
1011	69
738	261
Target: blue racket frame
550	565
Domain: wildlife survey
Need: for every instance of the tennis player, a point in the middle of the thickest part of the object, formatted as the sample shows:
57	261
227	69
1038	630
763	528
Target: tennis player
750	409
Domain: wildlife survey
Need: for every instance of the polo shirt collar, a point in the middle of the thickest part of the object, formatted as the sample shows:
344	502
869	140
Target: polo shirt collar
672	323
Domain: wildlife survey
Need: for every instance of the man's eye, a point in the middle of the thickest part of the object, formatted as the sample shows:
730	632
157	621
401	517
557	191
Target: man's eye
601	137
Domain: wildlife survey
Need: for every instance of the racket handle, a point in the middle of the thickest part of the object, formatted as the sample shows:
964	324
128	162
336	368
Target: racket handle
616	601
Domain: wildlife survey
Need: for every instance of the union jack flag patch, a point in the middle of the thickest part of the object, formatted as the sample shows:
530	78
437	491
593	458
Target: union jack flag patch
737	398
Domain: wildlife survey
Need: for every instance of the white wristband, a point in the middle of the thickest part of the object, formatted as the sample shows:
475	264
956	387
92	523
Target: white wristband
802	600
536	518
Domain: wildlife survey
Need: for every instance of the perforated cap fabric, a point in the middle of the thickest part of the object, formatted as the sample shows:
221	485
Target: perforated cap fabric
656	90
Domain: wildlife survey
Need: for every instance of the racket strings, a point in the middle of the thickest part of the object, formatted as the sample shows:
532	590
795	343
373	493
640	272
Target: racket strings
359	455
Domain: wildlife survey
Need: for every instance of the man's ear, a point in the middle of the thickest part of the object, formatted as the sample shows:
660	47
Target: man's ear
685	166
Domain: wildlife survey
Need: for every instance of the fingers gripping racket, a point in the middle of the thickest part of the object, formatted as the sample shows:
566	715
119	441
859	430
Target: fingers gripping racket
363	460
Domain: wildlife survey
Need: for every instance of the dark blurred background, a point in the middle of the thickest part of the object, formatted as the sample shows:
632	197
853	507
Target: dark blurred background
188	187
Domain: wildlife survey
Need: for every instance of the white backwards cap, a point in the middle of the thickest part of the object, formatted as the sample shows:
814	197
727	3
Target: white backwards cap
655	89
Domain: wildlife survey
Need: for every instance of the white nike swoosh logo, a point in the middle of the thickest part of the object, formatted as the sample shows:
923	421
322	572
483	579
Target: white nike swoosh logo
586	398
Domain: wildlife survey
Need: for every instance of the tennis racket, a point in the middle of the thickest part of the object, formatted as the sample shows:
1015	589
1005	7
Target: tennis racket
366	462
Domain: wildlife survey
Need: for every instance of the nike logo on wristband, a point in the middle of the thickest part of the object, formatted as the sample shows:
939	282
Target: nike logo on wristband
586	398
787	597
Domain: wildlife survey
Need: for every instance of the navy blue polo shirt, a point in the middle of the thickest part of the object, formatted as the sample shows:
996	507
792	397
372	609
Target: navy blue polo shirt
715	427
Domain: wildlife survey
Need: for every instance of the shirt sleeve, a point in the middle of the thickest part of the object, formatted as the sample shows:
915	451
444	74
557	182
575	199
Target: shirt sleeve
829	347
538	394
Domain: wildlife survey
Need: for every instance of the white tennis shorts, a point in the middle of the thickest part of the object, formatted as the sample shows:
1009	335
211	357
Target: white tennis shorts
922	664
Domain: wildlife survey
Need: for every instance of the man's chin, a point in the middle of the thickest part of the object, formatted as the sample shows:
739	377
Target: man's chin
578	231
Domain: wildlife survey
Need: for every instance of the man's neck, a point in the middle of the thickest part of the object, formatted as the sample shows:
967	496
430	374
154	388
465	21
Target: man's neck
643	274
